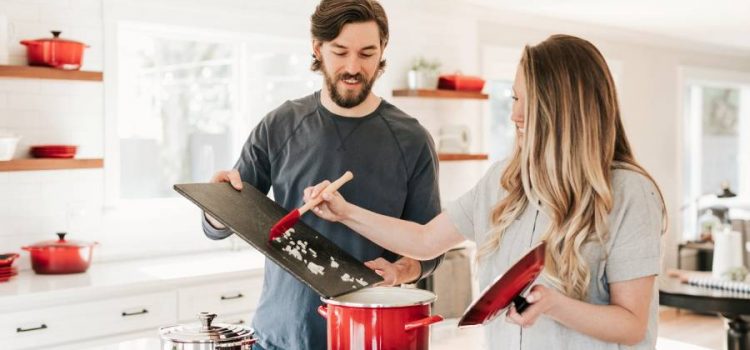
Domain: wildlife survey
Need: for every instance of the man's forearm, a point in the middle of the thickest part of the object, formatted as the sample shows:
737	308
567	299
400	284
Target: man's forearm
214	223
213	232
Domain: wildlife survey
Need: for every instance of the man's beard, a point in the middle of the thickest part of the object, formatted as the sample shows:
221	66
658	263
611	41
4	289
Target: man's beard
347	99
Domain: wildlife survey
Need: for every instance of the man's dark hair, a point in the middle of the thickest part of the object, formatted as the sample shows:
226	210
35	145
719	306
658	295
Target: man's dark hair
331	15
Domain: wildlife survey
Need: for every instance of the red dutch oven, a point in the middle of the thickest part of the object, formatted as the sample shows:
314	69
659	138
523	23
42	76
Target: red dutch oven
55	52
380	318
60	256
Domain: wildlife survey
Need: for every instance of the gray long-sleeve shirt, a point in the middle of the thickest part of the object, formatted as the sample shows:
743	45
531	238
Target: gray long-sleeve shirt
301	144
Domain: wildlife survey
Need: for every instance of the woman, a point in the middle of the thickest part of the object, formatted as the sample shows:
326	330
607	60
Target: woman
571	181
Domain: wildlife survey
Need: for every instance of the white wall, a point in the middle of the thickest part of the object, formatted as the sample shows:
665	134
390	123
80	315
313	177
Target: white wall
33	204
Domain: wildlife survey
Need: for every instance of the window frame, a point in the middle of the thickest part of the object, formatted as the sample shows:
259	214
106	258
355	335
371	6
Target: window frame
690	134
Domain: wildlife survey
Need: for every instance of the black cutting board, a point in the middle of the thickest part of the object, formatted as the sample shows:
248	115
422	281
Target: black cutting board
250	215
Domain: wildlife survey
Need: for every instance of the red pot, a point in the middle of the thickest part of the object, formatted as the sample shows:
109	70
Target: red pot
60	256
55	52
380	318
460	82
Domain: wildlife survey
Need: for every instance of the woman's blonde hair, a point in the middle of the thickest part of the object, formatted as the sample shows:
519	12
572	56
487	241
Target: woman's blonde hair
574	138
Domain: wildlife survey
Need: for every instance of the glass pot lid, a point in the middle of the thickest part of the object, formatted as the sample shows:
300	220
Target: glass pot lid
218	334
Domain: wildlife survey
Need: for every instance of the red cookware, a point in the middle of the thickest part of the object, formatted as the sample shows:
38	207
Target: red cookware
54	151
55	52
379	318
6	259
60	256
7	272
507	288
207	336
460	82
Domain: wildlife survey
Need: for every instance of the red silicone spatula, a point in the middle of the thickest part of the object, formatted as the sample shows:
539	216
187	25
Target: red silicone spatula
290	219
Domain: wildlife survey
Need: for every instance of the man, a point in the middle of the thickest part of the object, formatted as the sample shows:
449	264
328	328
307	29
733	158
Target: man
344	126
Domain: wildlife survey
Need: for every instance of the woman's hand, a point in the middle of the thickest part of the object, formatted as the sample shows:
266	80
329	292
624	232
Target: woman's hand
333	206
541	300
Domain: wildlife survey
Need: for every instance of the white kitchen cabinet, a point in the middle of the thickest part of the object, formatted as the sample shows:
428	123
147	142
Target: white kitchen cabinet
129	300
244	318
222	299
70	322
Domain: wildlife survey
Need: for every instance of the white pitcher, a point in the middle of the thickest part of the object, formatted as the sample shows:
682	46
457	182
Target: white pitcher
727	252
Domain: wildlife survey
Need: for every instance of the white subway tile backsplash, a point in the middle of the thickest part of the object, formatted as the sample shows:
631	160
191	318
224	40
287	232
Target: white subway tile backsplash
17	59
19	120
89	5
23	101
20	29
82	90
12	192
36	204
19	85
20	10
50	2
38	136
51	103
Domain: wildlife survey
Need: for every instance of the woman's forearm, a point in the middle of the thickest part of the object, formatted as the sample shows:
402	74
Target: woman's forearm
403	237
610	323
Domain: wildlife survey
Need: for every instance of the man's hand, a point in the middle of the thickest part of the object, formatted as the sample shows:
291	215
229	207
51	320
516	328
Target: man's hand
404	270
231	176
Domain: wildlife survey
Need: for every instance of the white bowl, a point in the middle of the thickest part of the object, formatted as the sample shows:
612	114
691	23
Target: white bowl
8	143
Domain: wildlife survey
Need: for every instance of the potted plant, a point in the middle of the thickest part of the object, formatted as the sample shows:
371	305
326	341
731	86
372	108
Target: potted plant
423	74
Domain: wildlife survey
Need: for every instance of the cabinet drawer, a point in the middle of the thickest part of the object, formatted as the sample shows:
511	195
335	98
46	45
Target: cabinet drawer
226	298
75	322
243	319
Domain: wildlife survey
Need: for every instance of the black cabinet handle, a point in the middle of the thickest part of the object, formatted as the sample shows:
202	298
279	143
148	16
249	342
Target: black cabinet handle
21	330
239	295
126	314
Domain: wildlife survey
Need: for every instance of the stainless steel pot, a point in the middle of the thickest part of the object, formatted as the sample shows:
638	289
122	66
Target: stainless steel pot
207	336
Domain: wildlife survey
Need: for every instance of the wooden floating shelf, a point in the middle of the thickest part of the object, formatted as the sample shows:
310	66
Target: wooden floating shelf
452	157
49	164
29	72
447	94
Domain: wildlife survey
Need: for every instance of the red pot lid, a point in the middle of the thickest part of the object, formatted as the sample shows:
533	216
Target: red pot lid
60	243
498	295
56	38
54	147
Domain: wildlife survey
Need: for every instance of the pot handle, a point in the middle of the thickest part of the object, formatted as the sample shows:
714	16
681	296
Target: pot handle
423	322
323	311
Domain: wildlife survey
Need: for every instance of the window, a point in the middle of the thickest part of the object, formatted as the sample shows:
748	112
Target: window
717	146
502	130
186	105
178	104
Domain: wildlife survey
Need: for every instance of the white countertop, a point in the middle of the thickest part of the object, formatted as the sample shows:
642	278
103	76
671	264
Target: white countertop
443	336
109	279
